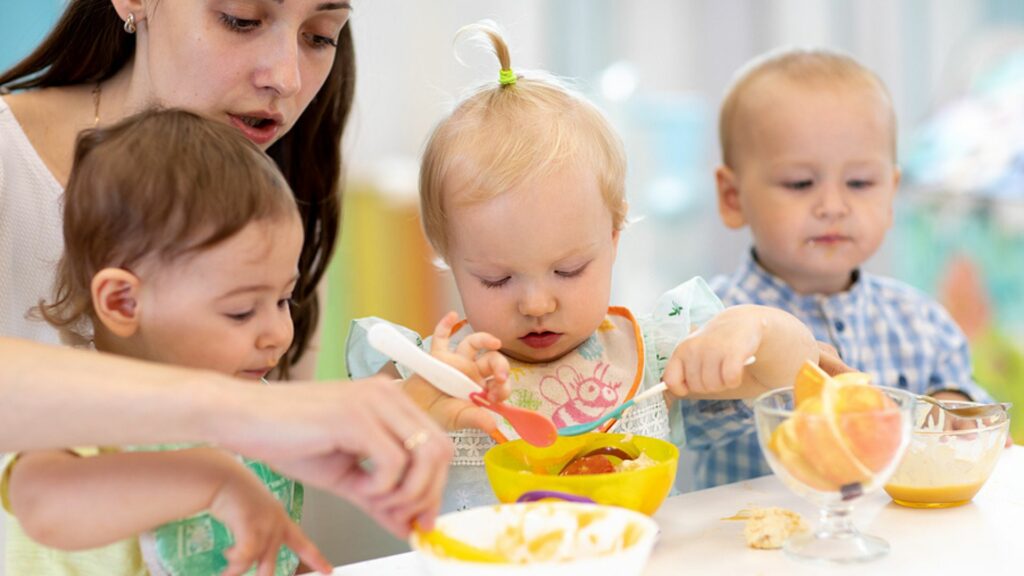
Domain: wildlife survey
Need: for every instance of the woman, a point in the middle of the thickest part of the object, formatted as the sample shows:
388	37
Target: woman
282	72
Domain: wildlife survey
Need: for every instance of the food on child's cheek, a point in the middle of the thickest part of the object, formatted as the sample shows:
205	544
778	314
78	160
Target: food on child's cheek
768	528
841	433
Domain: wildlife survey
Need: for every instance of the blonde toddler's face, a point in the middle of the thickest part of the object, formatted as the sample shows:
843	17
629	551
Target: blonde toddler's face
815	179
225	309
533	265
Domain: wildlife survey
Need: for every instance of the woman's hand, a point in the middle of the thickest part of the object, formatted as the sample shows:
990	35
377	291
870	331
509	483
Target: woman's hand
362	440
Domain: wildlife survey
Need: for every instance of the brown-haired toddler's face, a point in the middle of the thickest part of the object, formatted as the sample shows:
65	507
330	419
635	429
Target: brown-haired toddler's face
814	178
225	308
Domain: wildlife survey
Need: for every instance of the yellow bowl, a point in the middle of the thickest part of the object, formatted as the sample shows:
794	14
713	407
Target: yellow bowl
515	468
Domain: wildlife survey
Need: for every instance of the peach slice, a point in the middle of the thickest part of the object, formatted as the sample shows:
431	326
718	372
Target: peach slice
842	431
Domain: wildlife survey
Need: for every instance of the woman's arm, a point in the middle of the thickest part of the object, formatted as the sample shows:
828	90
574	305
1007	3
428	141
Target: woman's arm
56	396
71	503
314	432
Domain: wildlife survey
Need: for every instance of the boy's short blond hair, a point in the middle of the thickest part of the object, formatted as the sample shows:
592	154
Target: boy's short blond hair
504	134
811	67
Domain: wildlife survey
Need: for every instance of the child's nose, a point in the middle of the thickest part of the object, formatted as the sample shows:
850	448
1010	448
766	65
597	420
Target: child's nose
276	334
537	302
831	202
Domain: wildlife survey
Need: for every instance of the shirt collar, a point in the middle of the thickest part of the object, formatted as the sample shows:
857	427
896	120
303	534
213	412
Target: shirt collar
784	293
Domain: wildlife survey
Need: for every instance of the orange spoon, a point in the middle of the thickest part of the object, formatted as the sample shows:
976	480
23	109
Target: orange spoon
534	427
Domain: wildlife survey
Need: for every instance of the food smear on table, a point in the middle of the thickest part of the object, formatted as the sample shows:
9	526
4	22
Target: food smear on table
767	528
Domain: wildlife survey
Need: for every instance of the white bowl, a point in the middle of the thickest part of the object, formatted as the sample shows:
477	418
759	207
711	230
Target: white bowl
594	548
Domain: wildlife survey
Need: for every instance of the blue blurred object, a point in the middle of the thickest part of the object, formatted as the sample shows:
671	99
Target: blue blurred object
23	25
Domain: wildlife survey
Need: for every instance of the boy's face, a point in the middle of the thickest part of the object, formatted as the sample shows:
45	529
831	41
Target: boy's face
814	178
533	265
226	308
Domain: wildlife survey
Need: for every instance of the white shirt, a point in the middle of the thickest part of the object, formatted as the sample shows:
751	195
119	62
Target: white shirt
31	232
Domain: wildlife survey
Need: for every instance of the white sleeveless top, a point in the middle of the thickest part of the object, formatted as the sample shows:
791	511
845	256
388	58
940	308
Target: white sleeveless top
31	232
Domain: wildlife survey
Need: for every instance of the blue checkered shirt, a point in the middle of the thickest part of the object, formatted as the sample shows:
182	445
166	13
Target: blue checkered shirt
899	335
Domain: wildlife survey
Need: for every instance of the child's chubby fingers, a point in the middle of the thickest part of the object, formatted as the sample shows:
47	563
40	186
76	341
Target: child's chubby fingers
306	550
732	372
477	418
673	377
241	556
693	373
268	562
711	373
476	343
443	332
495	369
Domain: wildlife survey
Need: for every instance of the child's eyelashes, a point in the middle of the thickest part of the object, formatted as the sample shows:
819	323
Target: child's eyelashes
240	25
798	184
495	283
572	273
859	184
241	316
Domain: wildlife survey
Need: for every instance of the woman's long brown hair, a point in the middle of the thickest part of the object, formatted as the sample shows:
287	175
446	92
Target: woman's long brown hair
88	45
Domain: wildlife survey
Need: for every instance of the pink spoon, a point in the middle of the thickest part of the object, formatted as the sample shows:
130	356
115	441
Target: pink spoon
534	427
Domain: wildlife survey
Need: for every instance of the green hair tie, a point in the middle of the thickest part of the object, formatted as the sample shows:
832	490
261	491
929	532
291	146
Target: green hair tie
506	77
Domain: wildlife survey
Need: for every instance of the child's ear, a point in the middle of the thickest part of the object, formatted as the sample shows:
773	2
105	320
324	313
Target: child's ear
729	198
115	299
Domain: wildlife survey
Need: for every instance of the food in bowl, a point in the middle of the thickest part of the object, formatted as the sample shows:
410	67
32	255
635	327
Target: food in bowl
544	538
842	432
517	468
949	458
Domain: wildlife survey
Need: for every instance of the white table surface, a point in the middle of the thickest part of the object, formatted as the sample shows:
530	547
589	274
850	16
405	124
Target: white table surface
985	536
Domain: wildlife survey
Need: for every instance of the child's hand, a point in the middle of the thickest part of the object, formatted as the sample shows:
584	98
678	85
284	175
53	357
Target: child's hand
259	524
476	356
829	360
711	360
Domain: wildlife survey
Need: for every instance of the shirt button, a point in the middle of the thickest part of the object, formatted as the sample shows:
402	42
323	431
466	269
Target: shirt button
902	382
840	325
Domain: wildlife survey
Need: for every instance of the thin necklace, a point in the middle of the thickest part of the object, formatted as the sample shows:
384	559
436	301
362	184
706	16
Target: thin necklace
96	92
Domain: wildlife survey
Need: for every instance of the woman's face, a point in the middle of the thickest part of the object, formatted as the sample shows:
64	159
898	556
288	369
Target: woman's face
254	64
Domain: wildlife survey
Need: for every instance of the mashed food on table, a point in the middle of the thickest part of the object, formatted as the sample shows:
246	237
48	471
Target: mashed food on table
768	528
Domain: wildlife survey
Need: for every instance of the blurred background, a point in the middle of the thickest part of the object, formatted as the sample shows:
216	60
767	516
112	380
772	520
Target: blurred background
955	69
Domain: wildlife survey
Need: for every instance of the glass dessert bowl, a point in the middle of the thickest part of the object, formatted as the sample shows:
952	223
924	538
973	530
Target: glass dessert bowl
832	441
949	458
